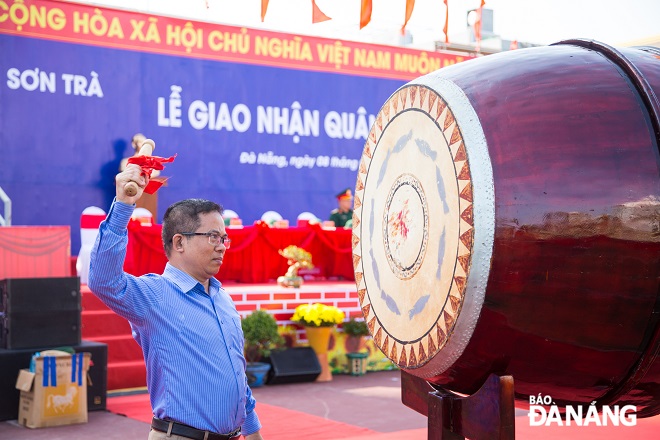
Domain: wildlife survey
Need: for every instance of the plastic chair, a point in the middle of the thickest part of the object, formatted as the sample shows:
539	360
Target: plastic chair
307	216
143	215
271	217
228	213
90	220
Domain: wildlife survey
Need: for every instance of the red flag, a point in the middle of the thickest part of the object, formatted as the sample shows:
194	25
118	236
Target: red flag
365	13
477	25
410	4
446	28
264	7
317	15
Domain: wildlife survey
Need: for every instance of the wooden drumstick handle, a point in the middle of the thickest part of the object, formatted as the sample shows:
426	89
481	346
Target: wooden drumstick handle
147	148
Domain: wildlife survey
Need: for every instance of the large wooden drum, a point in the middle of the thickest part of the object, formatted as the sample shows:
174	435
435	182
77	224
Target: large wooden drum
507	221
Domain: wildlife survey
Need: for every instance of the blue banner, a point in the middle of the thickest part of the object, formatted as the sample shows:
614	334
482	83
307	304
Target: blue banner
252	138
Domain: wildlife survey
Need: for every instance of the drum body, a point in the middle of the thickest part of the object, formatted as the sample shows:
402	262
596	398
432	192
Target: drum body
507	221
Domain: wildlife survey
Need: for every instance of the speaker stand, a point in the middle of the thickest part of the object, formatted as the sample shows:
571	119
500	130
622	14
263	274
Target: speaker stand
487	414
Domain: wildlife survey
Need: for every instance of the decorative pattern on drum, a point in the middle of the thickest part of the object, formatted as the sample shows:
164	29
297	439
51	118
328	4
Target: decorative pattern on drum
412	226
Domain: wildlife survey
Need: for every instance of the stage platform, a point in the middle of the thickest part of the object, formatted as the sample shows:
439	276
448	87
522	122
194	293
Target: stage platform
125	361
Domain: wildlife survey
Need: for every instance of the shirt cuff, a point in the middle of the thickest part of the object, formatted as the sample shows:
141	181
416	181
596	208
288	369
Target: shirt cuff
119	215
251	424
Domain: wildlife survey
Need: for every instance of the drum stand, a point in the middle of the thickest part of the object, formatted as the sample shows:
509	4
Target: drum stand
487	414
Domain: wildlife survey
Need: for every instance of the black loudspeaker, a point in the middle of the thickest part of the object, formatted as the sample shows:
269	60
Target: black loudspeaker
298	364
12	361
39	312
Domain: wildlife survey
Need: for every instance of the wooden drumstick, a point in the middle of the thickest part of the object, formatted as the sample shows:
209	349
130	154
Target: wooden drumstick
147	148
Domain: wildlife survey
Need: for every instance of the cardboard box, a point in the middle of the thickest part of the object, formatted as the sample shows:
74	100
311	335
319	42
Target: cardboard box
56	392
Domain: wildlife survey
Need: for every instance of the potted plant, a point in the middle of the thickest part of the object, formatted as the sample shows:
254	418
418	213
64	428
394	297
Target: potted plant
318	320
261	337
355	332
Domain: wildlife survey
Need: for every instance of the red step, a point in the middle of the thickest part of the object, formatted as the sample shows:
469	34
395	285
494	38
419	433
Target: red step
122	375
99	323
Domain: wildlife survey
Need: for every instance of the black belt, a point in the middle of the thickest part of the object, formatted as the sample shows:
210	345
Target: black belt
190	432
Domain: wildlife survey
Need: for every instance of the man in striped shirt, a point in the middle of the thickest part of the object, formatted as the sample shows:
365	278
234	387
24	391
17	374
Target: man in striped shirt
186	324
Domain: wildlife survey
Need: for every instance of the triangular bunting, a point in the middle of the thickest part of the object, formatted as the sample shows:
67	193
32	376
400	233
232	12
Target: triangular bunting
465	172
357	202
422	353
386	344
467	215
466	194
393	352
372	325
356	222
317	15
358	278
460	153
403	362
467	238
395	102
379	121
361	293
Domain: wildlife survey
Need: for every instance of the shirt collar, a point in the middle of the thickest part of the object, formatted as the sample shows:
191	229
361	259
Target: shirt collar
186	282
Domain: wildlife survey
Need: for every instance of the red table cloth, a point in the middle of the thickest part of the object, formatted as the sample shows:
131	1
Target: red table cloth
253	256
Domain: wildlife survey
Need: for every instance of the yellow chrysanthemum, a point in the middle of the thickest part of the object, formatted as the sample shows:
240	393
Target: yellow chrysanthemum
318	315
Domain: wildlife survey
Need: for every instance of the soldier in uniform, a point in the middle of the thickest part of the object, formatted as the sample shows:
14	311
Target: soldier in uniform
343	215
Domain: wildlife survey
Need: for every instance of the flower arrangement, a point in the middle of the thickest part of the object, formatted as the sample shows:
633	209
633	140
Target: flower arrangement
298	258
318	315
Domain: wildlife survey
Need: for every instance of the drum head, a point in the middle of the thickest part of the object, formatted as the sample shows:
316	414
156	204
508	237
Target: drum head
413	226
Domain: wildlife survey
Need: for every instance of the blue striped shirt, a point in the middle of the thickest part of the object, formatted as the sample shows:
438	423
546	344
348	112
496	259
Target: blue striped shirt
192	341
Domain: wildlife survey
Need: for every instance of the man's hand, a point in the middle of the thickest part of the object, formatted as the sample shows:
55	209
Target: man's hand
254	436
132	173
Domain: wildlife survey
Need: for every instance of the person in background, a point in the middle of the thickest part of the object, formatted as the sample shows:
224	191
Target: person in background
186	324
136	143
343	215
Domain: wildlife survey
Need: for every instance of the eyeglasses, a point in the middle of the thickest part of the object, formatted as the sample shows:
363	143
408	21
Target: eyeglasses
214	238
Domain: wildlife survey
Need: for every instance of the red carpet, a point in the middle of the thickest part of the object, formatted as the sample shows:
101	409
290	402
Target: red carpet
278	423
